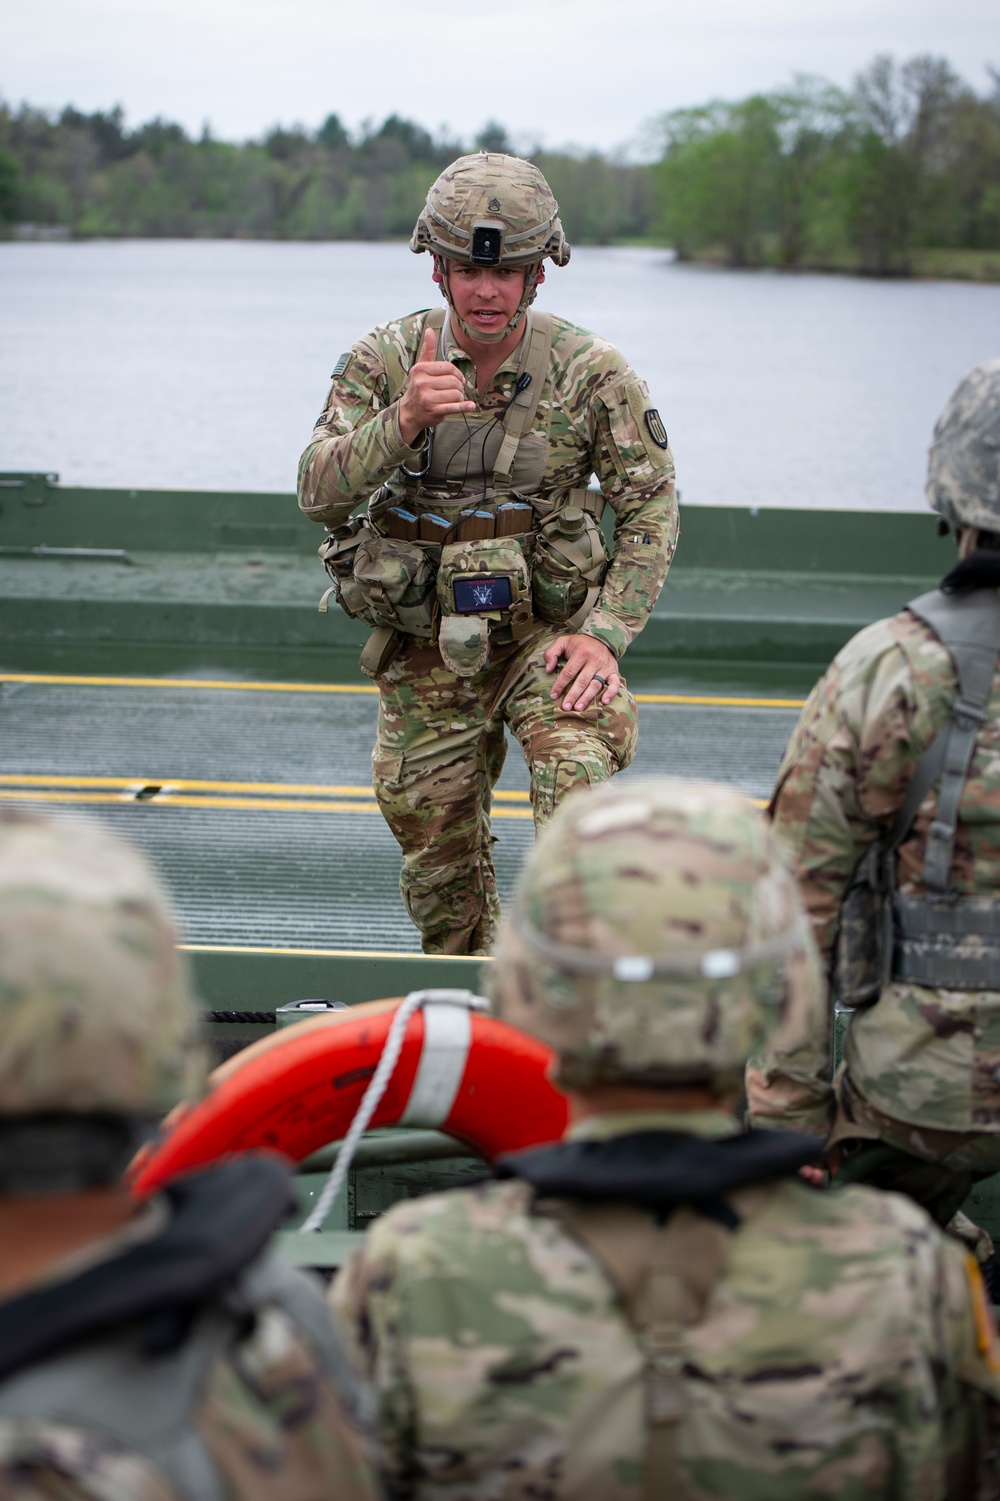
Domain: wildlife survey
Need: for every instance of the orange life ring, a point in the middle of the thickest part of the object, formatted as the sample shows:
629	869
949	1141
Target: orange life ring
460	1071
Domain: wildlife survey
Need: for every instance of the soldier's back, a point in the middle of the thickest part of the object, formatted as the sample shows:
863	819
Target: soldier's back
164	1367
838	1355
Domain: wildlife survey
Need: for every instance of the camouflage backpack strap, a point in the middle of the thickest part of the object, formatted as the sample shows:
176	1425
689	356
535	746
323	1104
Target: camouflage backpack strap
664	1275
436	317
968	626
272	1280
531	372
929	939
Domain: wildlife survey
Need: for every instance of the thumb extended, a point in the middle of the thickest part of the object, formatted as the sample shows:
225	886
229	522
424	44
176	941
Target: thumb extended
428	348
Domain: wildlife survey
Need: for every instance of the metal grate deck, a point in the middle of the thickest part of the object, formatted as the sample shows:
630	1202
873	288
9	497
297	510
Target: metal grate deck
257	860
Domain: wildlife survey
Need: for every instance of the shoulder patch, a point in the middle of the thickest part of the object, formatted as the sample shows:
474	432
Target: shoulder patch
341	365
655	428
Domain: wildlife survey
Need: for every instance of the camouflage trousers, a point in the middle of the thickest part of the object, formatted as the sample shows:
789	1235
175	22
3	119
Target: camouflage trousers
439	752
936	1168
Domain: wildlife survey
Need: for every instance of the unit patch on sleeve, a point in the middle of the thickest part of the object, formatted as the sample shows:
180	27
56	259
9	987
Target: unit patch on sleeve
341	365
654	425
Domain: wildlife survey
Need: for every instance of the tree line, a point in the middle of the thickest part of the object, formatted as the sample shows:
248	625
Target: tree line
907	160
863	179
93	175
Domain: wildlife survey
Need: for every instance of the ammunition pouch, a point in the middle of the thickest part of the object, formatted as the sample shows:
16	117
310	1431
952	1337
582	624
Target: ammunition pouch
481	585
567	572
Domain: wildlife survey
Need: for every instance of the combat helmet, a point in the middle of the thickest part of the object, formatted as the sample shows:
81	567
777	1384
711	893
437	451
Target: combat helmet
963	472
98	1029
657	938
491	209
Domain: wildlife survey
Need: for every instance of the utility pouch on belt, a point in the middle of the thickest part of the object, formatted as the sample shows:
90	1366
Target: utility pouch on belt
479	584
568	567
395	580
337	551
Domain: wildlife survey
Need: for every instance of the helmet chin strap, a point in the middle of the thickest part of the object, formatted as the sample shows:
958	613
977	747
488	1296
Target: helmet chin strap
527	298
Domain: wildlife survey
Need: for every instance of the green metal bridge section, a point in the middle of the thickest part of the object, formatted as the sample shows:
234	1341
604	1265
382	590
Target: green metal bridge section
129	577
163	667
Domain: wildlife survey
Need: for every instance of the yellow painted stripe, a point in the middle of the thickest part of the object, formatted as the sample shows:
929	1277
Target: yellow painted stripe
218	683
236	804
173	784
717	702
226	684
238	948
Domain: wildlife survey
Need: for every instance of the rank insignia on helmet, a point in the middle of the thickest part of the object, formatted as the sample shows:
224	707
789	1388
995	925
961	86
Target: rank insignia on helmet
494	205
341	365
657	431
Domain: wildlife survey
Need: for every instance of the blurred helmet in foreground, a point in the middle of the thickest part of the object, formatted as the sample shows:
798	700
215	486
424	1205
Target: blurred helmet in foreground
97	1017
963	472
657	938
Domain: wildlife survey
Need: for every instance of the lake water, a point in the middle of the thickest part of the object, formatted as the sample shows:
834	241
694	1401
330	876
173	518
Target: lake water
195	364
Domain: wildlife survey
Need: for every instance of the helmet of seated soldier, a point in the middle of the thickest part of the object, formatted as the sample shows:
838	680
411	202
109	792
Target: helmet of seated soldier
963	473
97	1015
657	938
504	198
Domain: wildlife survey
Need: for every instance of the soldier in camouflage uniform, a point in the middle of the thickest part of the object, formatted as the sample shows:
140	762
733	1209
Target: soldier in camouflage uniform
916	1106
658	1306
472	433
148	1352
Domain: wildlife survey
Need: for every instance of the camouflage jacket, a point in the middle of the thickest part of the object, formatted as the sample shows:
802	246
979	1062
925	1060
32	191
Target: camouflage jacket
846	1351
917	1055
589	420
245	1398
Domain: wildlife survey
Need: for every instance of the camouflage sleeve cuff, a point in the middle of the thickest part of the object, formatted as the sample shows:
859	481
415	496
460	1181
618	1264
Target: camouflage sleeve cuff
397	450
613	635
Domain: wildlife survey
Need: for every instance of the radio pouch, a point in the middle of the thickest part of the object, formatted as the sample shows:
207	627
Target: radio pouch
481	585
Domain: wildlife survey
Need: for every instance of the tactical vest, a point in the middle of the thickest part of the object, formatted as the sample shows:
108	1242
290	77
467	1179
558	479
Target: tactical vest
140	1379
939	938
657	1211
470	553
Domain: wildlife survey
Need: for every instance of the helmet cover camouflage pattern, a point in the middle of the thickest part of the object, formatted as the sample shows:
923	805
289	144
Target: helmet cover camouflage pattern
963	473
491	190
657	938
96	1009
491	209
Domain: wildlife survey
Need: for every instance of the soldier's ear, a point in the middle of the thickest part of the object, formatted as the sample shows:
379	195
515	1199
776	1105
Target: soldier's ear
540	274
437	274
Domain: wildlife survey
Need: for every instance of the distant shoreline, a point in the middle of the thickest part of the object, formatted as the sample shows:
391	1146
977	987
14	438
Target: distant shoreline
926	264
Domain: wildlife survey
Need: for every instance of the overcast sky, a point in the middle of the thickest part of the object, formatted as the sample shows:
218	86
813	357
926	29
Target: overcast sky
556	72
